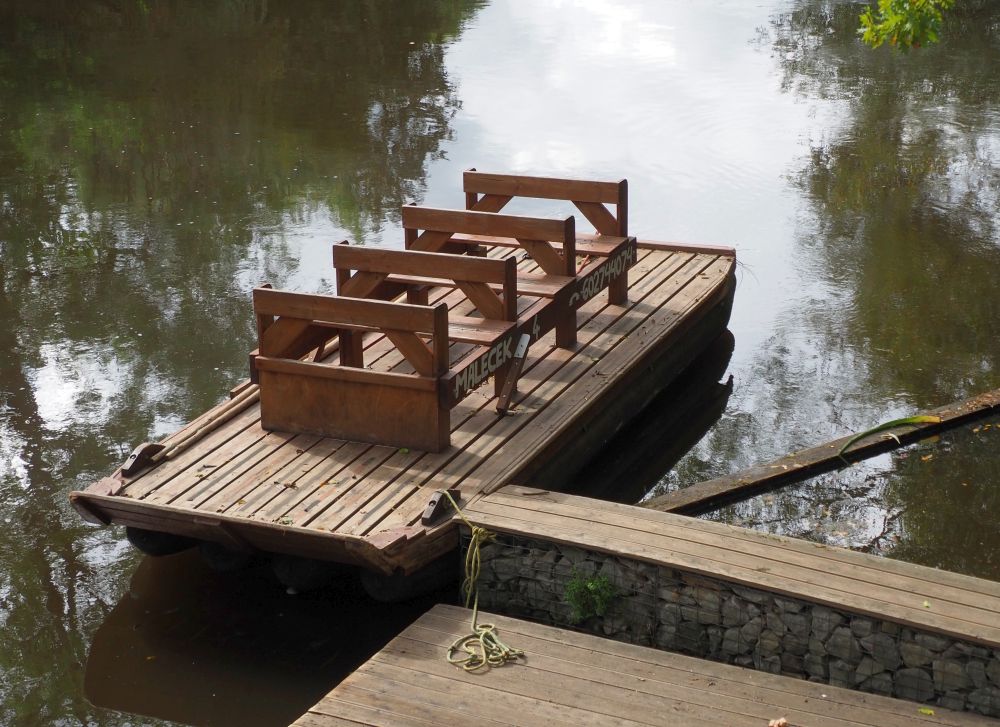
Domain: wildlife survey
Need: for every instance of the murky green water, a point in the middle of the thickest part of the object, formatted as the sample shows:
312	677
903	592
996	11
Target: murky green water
157	160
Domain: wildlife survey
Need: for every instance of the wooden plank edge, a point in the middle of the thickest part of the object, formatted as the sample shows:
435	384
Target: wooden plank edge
496	509
709	494
661	363
723	250
656	518
249	534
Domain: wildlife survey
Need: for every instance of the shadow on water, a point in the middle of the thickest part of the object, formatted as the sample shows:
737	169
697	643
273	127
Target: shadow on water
652	442
191	645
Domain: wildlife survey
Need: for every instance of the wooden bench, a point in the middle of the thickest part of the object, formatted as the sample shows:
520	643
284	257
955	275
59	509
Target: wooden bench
362	272
568	678
307	396
491	193
336	400
293	328
436	230
551	244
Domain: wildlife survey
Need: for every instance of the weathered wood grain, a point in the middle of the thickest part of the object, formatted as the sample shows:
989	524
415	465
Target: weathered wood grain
569	678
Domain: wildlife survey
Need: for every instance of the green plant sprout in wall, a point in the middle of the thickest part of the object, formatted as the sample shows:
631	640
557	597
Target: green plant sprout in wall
589	596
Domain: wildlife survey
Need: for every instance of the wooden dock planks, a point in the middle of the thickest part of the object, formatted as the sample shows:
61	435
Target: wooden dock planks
925	598
276	490
569	678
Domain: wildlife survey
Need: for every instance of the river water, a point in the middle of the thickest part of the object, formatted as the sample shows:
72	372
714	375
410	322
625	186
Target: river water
158	160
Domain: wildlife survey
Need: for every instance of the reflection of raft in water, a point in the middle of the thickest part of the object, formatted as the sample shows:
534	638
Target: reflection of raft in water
361	406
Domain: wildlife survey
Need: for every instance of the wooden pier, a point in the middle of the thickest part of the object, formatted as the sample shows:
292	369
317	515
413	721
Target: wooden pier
362	406
927	598
754	599
569	678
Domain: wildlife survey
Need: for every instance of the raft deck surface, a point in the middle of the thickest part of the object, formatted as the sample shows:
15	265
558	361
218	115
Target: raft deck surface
361	503
568	678
923	598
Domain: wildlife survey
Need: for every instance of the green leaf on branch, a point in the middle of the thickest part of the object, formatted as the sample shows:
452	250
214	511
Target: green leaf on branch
903	24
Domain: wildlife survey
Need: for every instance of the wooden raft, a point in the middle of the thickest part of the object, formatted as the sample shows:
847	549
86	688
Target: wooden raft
924	598
571	679
407	350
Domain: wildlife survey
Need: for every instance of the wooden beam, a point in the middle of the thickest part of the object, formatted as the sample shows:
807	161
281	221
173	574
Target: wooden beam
540	187
426	264
597	214
807	463
346	373
347	311
430	219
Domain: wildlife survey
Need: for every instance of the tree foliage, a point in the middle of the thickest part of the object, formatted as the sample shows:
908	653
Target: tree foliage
904	24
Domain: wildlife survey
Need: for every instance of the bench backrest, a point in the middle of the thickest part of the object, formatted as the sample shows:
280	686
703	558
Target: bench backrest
361	270
336	400
432	230
491	192
283	315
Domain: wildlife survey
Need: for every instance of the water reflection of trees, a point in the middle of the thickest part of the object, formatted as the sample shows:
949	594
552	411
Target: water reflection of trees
150	157
902	243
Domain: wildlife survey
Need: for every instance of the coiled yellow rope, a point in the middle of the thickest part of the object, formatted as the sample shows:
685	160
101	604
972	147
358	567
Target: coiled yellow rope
482	648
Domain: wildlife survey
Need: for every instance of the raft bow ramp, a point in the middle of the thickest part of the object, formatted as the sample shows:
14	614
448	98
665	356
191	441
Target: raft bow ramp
360	503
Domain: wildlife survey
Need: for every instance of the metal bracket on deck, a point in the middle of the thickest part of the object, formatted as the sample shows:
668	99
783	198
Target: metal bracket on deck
140	457
510	383
438	504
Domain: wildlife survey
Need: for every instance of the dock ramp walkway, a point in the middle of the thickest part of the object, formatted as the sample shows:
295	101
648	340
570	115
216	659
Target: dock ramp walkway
731	594
573	679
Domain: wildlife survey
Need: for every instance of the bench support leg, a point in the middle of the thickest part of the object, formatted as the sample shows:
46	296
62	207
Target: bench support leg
351	349
566	329
418	296
618	289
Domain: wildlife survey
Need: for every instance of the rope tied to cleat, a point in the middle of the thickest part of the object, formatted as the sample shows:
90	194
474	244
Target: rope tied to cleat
482	648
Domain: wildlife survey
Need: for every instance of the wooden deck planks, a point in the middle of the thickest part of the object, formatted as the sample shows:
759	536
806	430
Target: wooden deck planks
541	383
569	678
925	579
406	478
331	514
356	491
960	606
477	467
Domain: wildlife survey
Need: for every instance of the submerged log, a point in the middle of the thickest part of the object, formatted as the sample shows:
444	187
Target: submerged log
806	463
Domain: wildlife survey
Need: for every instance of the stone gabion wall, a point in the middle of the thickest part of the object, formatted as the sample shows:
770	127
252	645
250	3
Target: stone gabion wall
712	618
